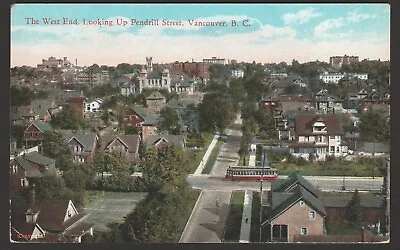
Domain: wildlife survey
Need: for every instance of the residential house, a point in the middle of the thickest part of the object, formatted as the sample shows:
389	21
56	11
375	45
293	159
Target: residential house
25	168
293	208
35	132
138	116
182	84
317	135
127	87
326	103
237	73
81	144
77	105
160	141
372	208
125	144
52	221
156	101
23	115
374	148
94	106
45	108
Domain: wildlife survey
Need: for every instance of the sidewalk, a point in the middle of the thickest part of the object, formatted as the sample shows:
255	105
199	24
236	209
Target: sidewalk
252	159
206	156
246	217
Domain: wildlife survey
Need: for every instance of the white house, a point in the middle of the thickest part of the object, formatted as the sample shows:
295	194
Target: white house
94	106
237	73
320	135
336	77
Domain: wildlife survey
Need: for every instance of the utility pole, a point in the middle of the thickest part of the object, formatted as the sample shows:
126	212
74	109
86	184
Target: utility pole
263	159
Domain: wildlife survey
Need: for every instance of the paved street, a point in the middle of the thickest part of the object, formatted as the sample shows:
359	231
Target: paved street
207	223
246	217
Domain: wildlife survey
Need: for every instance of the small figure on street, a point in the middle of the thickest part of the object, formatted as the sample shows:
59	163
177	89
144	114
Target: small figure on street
216	203
246	219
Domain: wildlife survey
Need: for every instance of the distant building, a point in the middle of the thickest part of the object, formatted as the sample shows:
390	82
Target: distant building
237	73
338	61
52	62
336	77
214	60
89	78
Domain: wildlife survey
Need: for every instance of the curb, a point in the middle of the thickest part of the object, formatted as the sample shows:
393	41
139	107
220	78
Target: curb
194	207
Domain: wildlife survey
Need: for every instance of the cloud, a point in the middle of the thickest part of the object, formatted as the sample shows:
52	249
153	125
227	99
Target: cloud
300	17
323	30
266	44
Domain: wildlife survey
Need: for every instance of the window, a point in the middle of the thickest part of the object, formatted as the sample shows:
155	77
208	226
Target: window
304	231
332	149
311	215
337	149
14	169
69	214
331	137
301	203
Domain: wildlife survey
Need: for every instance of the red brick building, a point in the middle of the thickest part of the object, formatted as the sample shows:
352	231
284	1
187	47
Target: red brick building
34	133
77	105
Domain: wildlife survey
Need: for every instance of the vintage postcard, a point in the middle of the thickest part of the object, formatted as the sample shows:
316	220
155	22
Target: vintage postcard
200	123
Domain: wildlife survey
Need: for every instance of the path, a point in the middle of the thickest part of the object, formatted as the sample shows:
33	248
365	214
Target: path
246	217
203	162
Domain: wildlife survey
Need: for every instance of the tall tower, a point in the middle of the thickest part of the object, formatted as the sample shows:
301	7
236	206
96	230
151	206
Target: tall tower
149	63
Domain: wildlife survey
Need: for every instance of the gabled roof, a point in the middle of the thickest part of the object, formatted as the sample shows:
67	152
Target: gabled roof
42	126
131	141
51	216
291	181
299	194
39	159
86	139
149	117
172	140
41	106
303	124
30	171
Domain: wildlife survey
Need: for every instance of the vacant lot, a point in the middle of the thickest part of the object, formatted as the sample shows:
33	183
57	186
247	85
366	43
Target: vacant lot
109	207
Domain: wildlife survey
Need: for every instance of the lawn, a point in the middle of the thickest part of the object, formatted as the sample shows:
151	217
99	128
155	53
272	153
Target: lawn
343	228
255	219
232	230
194	159
213	157
334	168
193	196
110	207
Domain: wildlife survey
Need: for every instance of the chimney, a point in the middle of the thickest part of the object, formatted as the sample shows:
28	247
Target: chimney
32	196
366	235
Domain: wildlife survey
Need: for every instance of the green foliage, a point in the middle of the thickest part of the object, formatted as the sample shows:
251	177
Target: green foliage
54	146
169	120
21	96
216	113
78	177
353	210
102	90
373	127
133	130
67	119
164	169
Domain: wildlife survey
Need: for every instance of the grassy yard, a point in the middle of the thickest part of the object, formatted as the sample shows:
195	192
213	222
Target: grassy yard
194	194
212	158
334	168
246	161
194	159
343	228
232	230
255	219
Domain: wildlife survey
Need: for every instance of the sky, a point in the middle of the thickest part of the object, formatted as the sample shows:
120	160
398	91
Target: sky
263	33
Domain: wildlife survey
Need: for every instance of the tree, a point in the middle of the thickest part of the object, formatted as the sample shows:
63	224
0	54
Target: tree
373	127
216	113
133	130
78	177
353	210
67	119
164	169
169	120
54	147
21	96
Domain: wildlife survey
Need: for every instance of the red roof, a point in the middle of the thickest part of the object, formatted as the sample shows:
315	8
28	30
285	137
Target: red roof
76	100
303	125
